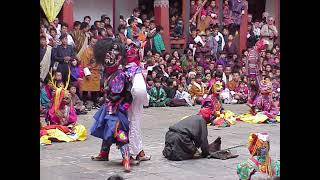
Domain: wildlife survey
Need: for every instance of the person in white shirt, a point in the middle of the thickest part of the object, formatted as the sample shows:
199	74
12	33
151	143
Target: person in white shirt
219	38
56	24
135	14
64	30
256	29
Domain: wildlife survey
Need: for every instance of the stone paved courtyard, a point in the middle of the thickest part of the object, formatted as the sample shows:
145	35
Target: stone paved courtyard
71	161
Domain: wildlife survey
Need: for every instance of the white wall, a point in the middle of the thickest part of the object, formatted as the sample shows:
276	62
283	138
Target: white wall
95	8
92	8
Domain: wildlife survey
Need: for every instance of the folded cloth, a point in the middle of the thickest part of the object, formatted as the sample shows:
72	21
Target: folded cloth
223	154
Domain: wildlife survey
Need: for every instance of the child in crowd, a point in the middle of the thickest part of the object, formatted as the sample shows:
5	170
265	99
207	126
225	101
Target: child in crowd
181	98
241	93
158	97
150	83
76	73
77	103
198	90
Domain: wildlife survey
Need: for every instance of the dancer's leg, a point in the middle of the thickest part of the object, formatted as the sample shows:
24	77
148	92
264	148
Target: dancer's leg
104	151
140	98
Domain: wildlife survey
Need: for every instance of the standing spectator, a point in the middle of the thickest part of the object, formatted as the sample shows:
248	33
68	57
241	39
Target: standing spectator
237	7
101	33
135	15
227	14
213	12
53	38
109	32
256	29
81	38
269	32
63	55
46	58
76	26
64	30
219	39
87	19
107	21
91	83
250	19
231	47
157	42
121	35
133	29
57	26
251	37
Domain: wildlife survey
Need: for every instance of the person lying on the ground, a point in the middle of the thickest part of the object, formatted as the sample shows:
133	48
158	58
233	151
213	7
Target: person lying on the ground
183	138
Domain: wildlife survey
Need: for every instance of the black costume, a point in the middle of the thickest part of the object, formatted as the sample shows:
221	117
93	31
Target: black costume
183	139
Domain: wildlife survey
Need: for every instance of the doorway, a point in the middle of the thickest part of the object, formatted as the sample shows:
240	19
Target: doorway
256	8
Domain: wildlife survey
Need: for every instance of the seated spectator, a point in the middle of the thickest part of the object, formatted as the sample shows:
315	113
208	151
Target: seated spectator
46	96
227	76
62	111
77	103
198	90
169	89
150	83
241	93
234	83
158	97
181	98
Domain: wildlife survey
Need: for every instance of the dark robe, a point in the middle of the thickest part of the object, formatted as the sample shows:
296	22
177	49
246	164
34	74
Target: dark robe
232	49
183	139
59	53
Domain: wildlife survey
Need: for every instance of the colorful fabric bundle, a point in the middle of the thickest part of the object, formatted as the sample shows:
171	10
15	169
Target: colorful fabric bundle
60	134
260	117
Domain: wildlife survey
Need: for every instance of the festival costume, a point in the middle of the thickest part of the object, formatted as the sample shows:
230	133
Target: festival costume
62	118
139	99
263	108
221	118
260	160
252	64
111	120
62	111
183	138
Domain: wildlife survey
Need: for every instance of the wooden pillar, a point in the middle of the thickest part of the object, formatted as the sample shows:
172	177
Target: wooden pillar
67	13
277	13
219	3
244	28
186	18
115	16
161	13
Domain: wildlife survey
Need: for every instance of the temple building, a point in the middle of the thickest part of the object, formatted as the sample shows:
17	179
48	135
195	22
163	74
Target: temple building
73	10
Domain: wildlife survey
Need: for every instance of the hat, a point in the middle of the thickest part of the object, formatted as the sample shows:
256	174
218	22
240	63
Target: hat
206	114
